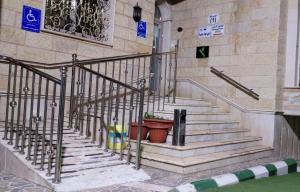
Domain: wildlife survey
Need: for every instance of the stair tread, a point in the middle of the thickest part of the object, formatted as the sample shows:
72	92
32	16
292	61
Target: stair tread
213	131
203	144
201	159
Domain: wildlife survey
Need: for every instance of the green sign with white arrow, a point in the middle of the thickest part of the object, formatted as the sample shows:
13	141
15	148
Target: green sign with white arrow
202	52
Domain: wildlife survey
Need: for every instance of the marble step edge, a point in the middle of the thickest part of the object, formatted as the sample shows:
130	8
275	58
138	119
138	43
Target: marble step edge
197	145
196	160
213	131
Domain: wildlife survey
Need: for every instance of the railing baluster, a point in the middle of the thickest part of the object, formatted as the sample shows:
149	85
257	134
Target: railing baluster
103	103
78	100
13	104
89	105
169	80
140	121
82	94
71	110
7	102
175	73
44	126
50	151
116	119
132	73
137	85
37	122
58	161
131	108
19	110
165	81
159	81
24	132
96	107
123	115
30	118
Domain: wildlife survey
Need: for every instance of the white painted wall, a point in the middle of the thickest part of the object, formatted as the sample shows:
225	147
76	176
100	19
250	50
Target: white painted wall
261	124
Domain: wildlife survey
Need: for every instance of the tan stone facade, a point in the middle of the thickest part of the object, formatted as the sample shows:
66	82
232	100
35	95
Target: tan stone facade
50	48
248	51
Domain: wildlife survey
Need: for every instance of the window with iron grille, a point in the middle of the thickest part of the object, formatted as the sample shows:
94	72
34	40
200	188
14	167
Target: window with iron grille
85	19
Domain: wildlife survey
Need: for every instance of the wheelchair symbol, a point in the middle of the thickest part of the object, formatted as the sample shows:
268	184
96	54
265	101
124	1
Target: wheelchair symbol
141	26
30	17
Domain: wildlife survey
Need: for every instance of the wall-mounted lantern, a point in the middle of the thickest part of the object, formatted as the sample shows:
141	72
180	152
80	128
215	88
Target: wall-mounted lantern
137	13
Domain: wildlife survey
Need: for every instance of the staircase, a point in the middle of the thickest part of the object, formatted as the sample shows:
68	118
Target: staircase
65	127
214	140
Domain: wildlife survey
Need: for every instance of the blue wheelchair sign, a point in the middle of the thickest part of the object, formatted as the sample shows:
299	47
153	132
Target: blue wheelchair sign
142	29
31	19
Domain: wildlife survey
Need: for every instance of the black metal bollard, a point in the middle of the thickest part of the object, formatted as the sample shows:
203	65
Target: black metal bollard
179	127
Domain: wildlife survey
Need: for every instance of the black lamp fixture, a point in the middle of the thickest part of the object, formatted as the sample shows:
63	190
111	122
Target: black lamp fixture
137	13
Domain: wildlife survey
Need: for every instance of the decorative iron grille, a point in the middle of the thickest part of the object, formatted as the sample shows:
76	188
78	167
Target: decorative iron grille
87	19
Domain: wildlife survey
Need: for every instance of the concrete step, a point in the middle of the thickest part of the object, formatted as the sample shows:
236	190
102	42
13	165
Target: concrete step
204	162
211	135
199	148
211	125
192	116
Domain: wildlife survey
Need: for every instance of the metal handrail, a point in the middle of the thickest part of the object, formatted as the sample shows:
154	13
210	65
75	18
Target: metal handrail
30	68
108	78
42	65
236	84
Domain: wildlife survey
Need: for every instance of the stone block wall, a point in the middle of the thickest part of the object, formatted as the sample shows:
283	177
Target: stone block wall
248	52
50	48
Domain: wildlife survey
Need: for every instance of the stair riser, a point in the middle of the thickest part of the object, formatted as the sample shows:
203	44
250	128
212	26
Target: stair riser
198	117
198	151
199	109
209	126
217	165
191	101
210	137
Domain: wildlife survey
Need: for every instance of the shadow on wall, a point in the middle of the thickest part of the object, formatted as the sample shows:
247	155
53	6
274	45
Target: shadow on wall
289	137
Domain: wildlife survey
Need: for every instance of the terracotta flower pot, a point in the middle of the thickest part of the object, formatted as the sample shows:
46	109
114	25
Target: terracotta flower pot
160	121
158	129
134	128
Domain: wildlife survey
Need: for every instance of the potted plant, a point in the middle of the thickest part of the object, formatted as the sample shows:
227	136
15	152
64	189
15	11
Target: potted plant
158	127
134	128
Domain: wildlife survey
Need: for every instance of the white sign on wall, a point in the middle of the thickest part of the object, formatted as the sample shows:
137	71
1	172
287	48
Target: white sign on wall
218	30
213	19
204	32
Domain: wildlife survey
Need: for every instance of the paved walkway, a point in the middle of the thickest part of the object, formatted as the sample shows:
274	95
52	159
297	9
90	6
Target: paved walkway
161	181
